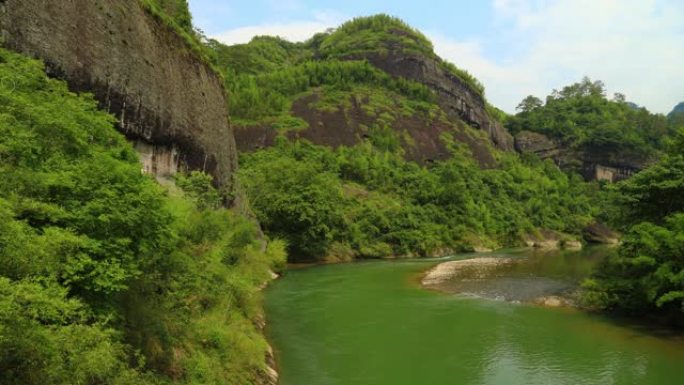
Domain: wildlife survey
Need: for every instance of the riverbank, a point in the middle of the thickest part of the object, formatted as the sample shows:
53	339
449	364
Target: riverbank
372	323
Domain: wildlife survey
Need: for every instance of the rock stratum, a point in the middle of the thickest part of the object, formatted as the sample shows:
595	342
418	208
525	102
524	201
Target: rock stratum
455	97
167	99
593	165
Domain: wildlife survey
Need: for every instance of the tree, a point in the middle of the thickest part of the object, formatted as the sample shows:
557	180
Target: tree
647	273
529	103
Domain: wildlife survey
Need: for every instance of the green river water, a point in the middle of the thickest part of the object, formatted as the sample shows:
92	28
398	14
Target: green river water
371	323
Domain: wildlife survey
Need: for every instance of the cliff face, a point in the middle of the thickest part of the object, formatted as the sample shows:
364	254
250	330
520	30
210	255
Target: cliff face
454	96
167	100
593	165
420	137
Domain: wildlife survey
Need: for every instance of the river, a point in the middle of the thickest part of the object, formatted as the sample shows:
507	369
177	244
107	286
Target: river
370	323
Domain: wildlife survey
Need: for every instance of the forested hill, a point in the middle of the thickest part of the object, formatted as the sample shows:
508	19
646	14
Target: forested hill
372	78
584	130
676	116
678	109
362	143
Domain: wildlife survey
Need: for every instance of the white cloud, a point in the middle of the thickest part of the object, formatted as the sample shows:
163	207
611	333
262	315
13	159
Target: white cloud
294	31
634	46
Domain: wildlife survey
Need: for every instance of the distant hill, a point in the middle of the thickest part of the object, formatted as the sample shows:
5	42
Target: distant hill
679	109
676	116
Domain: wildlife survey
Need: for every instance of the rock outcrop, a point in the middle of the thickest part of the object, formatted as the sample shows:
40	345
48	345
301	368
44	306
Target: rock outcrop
421	138
454	96
600	233
529	142
168	100
593	165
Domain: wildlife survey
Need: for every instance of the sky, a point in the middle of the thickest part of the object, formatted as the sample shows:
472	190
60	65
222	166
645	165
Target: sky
515	47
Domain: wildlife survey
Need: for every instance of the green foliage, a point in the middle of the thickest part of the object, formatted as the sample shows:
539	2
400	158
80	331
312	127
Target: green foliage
381	34
48	338
261	54
270	94
581	117
198	186
375	204
265	75
176	15
648	272
676	116
179	11
298	201
104	279
373	34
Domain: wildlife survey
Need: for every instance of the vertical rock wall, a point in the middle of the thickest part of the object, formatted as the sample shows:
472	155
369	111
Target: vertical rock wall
167	99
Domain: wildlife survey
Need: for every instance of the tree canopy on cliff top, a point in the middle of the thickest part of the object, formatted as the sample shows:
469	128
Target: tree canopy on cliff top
580	116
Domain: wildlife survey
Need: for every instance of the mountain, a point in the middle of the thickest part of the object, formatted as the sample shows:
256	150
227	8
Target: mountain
678	109
354	83
676	116
362	143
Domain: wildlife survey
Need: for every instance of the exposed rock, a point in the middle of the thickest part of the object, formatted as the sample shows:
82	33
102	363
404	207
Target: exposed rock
572	245
167	99
482	249
595	171
600	233
270	374
457	98
448	270
543	239
421	138
552	301
592	165
532	142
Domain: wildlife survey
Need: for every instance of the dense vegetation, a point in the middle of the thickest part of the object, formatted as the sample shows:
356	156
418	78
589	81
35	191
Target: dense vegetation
270	95
265	76
676	116
647	275
581	117
368	202
175	14
105	278
177	10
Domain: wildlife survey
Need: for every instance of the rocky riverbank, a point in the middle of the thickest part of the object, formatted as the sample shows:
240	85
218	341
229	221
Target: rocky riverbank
518	280
452	269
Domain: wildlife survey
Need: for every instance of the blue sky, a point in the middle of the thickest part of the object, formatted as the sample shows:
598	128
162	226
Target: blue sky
515	47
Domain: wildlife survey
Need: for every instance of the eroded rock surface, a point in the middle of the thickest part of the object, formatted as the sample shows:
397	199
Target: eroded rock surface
454	96
139	69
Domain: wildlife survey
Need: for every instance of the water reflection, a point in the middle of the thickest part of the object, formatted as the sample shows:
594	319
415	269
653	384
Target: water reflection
370	324
529	275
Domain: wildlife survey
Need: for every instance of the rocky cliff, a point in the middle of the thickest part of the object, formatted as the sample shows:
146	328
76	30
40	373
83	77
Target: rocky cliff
454	96
593	165
168	100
